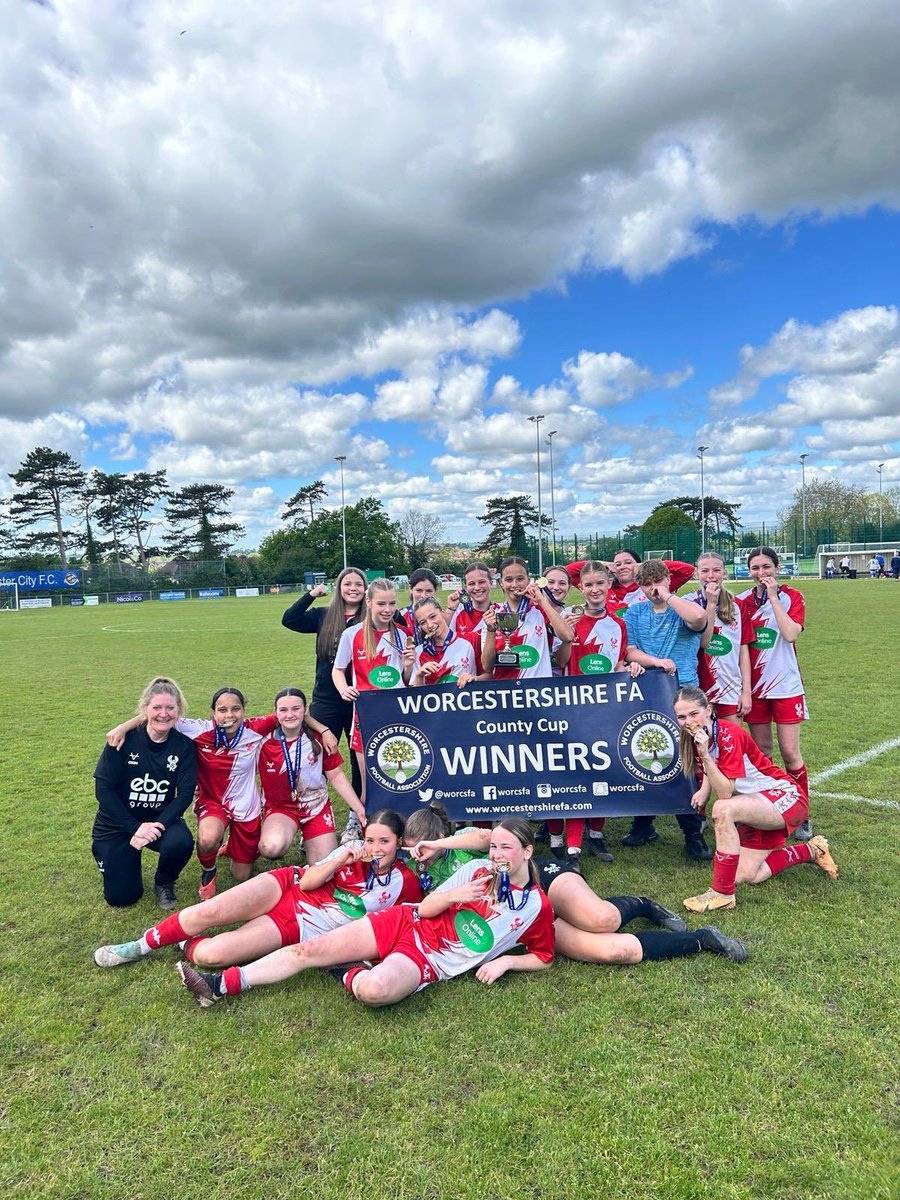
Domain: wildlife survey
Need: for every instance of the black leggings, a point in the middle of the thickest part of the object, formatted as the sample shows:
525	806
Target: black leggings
120	863
338	716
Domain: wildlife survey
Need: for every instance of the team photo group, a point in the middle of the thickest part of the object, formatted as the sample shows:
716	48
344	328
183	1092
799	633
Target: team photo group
393	904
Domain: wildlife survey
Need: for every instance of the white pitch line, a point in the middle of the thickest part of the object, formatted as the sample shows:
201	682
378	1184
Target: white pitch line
859	799
856	761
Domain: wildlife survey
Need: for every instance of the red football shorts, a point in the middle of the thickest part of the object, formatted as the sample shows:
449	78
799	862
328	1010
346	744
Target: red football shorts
794	810
243	836
393	929
310	827
790	710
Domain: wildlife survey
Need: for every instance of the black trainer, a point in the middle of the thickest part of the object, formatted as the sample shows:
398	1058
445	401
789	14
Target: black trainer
573	861
696	848
203	986
664	918
165	894
804	831
641	835
559	854
341	970
598	847
715	941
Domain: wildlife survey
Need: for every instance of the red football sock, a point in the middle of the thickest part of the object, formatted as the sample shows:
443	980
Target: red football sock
555	827
574	832
789	856
597	824
207	861
231	978
191	945
166	933
350	976
724	872
801	778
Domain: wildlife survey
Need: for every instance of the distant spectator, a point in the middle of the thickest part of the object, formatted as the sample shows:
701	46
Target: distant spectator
895	564
845	566
829	569
873	567
881	571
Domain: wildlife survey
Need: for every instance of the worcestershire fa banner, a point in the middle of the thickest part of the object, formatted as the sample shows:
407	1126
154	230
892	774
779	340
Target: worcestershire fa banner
546	749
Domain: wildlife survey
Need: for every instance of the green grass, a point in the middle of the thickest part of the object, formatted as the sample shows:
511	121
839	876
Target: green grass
690	1079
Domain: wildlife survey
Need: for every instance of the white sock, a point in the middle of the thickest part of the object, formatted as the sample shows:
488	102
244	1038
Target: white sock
556	841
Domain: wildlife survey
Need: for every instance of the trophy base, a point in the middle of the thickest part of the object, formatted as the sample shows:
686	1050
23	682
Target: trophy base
507	658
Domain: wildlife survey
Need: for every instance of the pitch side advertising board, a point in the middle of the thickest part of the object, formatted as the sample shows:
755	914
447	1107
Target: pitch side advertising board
545	748
41	581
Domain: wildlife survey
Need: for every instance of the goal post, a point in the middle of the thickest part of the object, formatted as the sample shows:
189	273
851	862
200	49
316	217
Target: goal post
9	595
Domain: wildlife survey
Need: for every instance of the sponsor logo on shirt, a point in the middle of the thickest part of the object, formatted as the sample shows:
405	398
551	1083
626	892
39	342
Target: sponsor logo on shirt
133	759
148	792
172	762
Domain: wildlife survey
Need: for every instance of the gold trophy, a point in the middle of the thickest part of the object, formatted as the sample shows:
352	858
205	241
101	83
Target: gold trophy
507	623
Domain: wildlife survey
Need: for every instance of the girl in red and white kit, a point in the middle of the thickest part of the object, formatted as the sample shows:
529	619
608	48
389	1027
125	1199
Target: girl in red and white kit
379	654
777	615
723	661
540	621
445	656
466	608
598	647
295	774
471	922
228	796
286	906
757	807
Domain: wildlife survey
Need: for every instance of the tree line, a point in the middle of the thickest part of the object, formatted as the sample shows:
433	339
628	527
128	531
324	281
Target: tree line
63	513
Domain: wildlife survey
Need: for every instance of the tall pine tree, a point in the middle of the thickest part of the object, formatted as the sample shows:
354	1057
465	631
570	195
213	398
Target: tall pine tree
48	479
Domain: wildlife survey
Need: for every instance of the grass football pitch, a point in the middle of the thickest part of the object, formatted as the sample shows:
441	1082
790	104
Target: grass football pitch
688	1079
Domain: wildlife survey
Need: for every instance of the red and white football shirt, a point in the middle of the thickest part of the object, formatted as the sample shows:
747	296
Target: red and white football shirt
533	636
384	669
740	759
312	788
774	670
464	936
621	597
600	644
459	654
225	776
719	664
347	896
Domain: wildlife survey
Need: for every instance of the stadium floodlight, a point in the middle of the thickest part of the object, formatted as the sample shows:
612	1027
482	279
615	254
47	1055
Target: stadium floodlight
342	458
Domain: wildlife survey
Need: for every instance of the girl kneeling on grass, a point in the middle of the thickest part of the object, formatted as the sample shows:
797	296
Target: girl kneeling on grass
588	929
469	923
295	775
758	805
286	906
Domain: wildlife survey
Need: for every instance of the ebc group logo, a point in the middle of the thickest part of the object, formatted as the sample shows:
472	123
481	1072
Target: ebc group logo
648	747
399	758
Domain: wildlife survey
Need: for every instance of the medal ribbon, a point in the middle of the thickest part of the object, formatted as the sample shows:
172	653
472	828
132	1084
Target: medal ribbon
292	767
222	739
374	877
430	647
505	892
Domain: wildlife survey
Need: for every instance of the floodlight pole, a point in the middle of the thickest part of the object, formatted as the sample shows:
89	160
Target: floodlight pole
550	436
701	450
803	458
342	458
537	433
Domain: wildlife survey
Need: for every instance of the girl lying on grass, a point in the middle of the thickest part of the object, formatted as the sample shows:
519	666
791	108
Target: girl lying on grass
470	923
287	906
588	929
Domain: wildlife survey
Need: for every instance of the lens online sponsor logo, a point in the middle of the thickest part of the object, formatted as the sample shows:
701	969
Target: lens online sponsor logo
648	747
399	758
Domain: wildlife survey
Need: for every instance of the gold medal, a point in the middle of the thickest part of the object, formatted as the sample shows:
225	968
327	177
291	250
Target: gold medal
410	643
542	582
577	610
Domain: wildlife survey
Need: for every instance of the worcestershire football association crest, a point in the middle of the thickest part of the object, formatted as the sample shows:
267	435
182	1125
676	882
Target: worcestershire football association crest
648	747
399	758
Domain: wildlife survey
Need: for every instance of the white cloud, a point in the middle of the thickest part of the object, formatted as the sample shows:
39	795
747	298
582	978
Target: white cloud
847	344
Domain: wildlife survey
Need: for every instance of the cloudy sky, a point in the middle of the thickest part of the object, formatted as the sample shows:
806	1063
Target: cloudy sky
239	240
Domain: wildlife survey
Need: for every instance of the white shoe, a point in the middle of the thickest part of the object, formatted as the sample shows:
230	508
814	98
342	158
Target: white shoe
353	831
117	956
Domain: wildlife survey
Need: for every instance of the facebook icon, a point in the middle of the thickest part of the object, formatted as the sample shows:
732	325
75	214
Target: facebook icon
490	793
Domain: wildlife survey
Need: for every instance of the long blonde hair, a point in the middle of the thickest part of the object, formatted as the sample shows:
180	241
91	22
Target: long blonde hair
686	748
726	607
371	635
